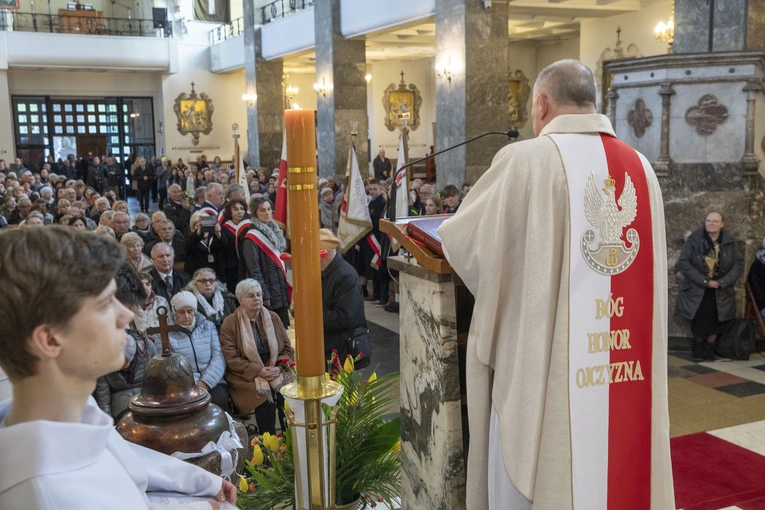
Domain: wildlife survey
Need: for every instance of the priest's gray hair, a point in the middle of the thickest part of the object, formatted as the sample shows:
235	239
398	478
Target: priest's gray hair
568	83
245	286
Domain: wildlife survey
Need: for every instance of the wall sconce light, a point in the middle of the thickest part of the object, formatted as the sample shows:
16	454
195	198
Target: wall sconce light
445	70
135	115
368	78
321	89
291	92
249	99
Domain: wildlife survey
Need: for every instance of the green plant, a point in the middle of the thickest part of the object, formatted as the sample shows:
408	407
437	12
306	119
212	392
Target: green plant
367	448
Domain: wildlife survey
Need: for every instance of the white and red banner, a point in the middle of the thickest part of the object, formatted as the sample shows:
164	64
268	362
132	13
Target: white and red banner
377	249
355	221
271	252
280	207
611	322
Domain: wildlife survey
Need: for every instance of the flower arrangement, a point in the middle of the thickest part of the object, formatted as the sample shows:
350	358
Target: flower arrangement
367	448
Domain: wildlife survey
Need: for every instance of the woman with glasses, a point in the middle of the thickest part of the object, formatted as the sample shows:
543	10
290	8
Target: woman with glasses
213	300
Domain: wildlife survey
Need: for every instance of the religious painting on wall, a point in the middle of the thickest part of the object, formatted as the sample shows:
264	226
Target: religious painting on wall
194	114
10	5
398	101
518	99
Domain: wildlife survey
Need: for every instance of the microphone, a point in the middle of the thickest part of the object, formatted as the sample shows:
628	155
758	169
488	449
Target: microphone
512	133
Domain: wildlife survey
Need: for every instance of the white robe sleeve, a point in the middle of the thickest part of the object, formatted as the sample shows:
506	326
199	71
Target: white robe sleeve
168	474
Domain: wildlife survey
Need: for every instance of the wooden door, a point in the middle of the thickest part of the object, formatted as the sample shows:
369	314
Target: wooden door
91	145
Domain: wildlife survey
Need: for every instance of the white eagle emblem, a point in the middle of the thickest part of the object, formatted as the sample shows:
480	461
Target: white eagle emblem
611	255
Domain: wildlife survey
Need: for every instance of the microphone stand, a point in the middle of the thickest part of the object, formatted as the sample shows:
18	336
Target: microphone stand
392	210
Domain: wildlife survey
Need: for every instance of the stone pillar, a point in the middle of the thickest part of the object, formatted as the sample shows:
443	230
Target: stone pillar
472	42
340	70
265	117
719	25
663	164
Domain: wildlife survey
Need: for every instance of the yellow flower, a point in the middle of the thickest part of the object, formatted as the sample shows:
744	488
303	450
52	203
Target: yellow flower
397	446
372	378
348	365
271	442
243	484
257	456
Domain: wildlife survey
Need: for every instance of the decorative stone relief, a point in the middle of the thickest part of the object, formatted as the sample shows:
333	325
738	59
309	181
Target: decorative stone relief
602	77
517	99
639	118
706	115
402	103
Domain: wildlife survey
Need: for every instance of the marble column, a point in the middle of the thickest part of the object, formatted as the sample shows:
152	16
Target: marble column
471	42
432	443
342	100
265	116
663	164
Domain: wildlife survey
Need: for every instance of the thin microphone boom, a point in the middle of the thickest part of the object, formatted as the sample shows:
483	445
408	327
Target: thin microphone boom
392	211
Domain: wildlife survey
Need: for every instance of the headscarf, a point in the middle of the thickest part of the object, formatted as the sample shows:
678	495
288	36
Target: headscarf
272	231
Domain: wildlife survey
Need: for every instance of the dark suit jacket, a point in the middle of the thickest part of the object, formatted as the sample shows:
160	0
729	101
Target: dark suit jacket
180	280
381	166
178	247
179	215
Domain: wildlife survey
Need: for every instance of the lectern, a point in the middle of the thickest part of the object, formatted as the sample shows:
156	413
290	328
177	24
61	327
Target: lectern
435	313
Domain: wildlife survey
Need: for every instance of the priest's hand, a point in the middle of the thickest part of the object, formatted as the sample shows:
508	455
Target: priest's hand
227	493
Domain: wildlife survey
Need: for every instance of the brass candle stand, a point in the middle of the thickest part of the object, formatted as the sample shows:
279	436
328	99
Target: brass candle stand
312	433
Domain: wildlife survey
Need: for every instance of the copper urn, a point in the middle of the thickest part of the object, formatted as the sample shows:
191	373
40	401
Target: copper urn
171	414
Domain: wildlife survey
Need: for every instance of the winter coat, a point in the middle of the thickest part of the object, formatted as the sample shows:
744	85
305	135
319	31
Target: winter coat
328	215
114	391
138	176
179	278
98	177
240	371
693	268
179	215
343	304
230	304
201	347
196	254
256	264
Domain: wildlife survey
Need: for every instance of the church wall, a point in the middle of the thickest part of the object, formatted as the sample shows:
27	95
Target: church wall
109	9
7	149
598	34
224	89
306	96
418	72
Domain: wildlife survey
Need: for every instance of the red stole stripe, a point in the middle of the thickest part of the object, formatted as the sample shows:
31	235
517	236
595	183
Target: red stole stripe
236	229
270	251
629	422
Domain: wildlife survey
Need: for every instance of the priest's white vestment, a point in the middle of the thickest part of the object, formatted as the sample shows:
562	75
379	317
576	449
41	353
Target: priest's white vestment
562	244
48	465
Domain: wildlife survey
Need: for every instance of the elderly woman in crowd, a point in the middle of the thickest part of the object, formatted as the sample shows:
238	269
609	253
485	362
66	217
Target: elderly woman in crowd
710	263
202	248
137	261
214	301
142	225
234	223
145	310
100	206
262	248
198	342
76	222
34	219
254	344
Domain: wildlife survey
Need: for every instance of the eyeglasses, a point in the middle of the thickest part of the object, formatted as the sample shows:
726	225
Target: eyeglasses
207	281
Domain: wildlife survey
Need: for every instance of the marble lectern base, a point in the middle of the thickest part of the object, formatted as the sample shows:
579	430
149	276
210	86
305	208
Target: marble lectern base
432	442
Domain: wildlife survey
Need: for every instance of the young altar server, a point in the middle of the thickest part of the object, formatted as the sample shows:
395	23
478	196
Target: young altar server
567	354
61	328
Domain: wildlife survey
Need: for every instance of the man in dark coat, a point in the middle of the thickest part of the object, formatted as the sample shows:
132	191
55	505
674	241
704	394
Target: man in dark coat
167	234
167	281
342	300
382	166
756	278
144	177
378	275
176	210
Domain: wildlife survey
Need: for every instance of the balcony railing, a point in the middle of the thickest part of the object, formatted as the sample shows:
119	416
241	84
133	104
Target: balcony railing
282	8
81	22
226	32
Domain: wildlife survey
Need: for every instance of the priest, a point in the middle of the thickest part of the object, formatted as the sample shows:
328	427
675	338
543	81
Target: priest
60	332
566	357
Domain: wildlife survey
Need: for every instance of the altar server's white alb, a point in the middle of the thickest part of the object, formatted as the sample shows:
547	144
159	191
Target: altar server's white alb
562	243
47	465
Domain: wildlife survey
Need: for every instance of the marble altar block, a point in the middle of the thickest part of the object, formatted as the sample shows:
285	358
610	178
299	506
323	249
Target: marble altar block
432	441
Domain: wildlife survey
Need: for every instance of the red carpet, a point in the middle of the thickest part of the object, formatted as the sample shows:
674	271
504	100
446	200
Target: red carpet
711	473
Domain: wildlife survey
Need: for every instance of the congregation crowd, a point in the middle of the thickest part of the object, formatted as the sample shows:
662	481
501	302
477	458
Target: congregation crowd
218	262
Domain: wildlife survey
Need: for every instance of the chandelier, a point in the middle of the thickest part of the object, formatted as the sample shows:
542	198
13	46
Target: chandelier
666	31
